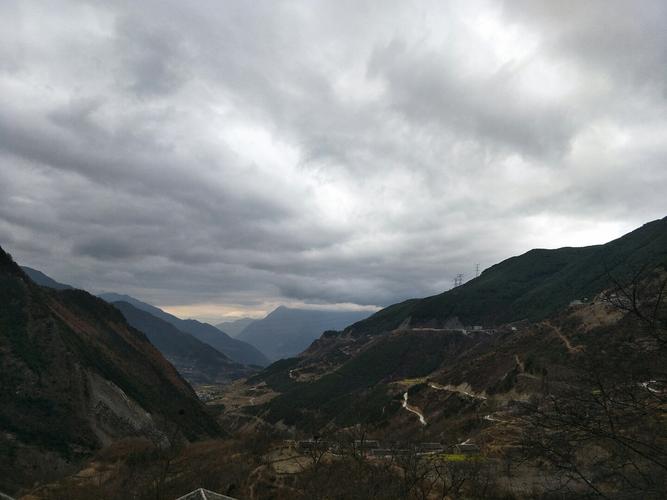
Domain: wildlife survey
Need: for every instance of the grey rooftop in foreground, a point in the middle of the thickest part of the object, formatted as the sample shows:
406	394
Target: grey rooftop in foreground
202	494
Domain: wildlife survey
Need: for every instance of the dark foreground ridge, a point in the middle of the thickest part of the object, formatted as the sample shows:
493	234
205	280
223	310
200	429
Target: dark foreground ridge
74	376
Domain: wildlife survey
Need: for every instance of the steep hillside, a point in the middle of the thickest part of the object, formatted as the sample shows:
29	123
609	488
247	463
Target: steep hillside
74	376
356	390
235	349
361	374
286	332
195	360
530	286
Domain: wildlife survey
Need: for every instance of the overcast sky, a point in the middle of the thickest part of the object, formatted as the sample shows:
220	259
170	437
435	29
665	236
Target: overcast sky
219	158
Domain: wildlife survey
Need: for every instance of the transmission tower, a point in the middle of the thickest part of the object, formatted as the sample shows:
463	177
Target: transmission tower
458	281
476	270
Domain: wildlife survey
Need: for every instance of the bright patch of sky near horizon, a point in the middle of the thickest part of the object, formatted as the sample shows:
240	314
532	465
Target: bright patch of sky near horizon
219	159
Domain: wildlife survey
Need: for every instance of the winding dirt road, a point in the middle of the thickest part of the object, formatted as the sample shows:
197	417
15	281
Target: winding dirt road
413	409
568	345
450	388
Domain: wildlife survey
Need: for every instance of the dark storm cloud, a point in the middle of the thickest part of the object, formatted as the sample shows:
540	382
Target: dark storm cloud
103	248
426	89
625	40
239	155
154	57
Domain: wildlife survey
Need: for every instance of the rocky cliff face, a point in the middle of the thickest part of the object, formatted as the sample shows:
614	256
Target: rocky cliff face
74	376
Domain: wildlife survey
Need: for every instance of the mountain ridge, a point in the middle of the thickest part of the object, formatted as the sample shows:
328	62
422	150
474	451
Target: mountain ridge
234	328
529	286
285	332
43	280
521	306
196	361
76	377
236	349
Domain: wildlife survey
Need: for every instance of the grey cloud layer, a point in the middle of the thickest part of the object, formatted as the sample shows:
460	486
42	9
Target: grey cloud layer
323	152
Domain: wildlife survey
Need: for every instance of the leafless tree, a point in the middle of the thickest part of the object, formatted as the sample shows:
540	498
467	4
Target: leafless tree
602	429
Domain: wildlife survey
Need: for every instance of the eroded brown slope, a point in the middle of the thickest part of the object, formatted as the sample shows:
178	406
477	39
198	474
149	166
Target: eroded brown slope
74	376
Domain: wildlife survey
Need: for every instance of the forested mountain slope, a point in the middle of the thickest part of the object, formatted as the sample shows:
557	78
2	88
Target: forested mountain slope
528	330
530	286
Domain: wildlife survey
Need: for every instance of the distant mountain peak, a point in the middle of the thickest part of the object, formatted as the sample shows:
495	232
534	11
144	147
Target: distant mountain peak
234	328
285	332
